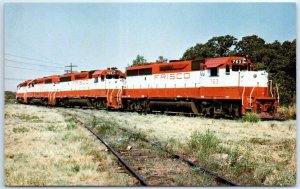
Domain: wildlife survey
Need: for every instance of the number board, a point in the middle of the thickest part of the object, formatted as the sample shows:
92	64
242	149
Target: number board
236	61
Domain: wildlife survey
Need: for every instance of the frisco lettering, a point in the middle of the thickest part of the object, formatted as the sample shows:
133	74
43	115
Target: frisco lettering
172	76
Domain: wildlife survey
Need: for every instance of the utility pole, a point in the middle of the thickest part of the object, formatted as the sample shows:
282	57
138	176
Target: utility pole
71	68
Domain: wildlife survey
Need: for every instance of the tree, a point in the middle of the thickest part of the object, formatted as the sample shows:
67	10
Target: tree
139	60
221	45
161	59
215	47
249	44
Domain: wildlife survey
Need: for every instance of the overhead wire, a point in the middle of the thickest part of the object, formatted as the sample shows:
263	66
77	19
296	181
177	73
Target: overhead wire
16	79
30	69
36	59
16	61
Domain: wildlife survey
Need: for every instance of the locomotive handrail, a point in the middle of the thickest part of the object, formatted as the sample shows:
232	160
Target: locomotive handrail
111	95
271	87
277	93
118	95
251	97
107	98
243	96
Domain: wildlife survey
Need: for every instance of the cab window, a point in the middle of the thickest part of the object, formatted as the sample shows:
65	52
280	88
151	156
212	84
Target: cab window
214	71
227	69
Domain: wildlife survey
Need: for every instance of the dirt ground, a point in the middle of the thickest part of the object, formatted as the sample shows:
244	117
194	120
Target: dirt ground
44	147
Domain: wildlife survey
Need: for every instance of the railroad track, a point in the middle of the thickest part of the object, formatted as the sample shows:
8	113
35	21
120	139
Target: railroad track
160	175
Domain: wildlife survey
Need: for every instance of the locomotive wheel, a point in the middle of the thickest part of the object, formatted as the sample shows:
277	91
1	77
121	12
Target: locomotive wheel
45	102
96	104
211	113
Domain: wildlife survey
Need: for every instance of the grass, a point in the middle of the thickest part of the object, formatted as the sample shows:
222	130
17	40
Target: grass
68	155
51	128
238	162
249	153
20	130
251	117
288	112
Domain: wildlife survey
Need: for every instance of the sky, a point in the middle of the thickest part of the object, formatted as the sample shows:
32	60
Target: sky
40	39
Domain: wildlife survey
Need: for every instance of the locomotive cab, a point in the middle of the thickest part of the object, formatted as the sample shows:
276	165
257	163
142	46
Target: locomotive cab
112	81
234	81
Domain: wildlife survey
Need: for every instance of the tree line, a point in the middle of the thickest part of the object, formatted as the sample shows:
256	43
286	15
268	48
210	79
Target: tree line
278	59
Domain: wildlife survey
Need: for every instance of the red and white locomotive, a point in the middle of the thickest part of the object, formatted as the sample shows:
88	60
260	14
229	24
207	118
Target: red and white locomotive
217	87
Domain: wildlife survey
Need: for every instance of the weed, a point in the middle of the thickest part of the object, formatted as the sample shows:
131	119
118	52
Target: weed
173	144
20	158
260	141
97	156
244	165
136	135
71	137
51	128
71	124
121	142
94	121
26	117
60	182
266	135
103	129
6	115
20	130
287	178
251	117
203	142
272	125
11	156
76	168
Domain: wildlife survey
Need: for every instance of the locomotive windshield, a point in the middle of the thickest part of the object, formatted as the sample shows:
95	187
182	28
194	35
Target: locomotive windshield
237	68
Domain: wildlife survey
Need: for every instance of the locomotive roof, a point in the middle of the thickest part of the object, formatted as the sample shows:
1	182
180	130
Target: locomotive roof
158	67
174	66
108	72
24	83
215	62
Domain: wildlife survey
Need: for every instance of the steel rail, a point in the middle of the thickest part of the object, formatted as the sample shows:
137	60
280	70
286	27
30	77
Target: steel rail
118	156
124	162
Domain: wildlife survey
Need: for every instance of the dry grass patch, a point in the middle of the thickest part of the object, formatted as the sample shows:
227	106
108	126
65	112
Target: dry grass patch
54	151
288	112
